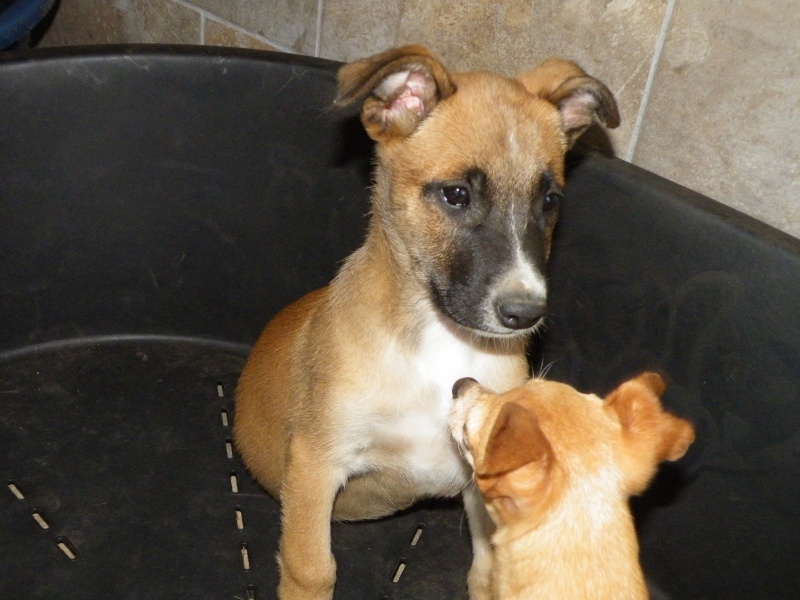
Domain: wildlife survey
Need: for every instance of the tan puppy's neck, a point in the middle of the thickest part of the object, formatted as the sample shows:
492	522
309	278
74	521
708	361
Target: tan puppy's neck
585	525
379	293
370	294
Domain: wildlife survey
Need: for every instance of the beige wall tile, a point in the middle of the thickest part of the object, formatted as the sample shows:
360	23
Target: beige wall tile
292	24
122	21
613	41
723	115
724	112
220	34
351	30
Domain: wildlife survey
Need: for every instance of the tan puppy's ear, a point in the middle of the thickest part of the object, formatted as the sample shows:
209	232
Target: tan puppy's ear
581	99
650	435
401	86
515	441
517	461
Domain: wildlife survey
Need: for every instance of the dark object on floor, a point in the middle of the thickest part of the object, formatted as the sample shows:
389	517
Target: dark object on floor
18	18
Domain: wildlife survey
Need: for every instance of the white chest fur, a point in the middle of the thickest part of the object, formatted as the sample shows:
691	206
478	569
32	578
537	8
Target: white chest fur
401	423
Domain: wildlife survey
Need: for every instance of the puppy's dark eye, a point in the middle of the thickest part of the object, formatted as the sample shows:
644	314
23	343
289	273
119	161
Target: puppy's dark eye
551	201
456	195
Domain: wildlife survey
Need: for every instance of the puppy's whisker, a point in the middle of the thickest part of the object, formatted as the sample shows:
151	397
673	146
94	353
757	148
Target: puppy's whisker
544	370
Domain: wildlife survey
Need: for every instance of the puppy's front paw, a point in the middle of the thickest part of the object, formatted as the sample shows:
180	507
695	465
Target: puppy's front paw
306	581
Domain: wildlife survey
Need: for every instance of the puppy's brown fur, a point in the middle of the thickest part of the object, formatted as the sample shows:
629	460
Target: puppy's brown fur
342	407
556	469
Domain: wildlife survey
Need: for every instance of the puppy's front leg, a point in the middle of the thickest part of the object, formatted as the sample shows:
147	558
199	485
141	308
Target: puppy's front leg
308	569
480	528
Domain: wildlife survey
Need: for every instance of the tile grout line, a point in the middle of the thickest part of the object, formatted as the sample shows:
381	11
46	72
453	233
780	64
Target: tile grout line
318	40
204	14
648	86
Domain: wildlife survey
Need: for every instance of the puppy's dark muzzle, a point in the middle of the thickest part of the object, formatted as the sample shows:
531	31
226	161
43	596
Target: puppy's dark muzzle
520	312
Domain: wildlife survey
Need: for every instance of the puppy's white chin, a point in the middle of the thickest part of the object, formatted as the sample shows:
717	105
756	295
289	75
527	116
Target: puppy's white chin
497	331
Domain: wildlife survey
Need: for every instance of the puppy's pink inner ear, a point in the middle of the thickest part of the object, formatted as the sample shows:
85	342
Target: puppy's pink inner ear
407	91
577	110
583	101
399	103
516	440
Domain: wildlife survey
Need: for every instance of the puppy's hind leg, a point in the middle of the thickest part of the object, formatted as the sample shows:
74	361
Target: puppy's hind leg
308	569
372	496
479	580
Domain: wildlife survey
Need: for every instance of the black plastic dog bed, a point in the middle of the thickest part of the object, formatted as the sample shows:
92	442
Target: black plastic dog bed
158	205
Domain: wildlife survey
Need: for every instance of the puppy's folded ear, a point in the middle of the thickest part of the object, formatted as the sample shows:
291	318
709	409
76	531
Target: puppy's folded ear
650	435
515	441
581	100
517	461
400	86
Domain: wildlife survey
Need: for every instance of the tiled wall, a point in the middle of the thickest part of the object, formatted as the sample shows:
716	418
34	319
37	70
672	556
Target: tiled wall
709	90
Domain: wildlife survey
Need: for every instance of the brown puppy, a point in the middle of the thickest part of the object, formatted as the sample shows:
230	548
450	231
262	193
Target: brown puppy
342	407
556	469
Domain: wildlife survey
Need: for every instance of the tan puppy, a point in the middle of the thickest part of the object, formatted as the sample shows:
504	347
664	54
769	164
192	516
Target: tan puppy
556	469
342	408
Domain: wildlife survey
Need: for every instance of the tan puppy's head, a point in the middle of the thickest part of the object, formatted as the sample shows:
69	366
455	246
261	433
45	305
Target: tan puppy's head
470	174
542	445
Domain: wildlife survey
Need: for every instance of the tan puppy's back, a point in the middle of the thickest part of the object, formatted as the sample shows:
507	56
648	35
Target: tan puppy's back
264	394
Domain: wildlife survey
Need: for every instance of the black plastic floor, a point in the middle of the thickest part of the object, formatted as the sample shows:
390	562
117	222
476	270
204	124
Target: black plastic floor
120	481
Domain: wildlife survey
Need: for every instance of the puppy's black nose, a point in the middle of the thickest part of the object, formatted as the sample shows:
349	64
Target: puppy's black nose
460	383
519	312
